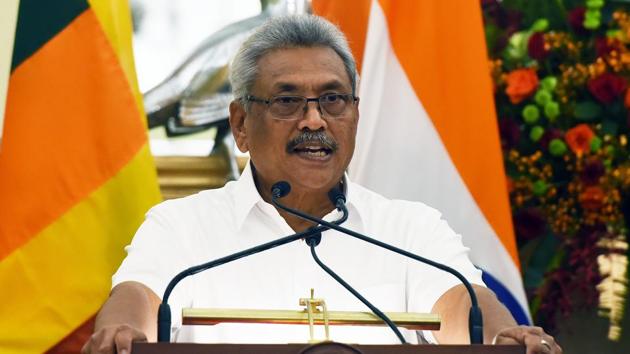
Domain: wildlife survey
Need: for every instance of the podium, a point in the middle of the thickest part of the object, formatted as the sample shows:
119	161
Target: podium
315	313
190	348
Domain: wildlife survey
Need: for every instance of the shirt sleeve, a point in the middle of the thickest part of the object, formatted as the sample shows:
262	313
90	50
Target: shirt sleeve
434	239
156	254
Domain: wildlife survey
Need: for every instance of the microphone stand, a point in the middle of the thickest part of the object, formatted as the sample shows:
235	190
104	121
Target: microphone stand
314	241
164	311
337	197
475	321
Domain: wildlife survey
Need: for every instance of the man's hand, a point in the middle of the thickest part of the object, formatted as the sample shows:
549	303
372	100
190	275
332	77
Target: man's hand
127	316
533	338
113	339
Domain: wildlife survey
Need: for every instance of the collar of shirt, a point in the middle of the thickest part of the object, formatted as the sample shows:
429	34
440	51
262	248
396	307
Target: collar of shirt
247	197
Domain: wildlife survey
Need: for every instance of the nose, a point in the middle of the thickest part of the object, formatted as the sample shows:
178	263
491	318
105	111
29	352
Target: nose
313	118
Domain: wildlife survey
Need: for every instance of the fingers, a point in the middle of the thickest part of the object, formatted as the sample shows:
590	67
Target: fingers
101	342
124	338
549	345
534	339
113	339
517	334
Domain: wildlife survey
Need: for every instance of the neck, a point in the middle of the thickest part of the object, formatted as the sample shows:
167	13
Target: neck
313	202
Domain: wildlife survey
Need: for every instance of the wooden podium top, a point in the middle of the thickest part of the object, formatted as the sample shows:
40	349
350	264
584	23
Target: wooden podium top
189	348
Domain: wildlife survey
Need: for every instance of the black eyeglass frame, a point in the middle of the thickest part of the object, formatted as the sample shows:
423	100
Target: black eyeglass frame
351	98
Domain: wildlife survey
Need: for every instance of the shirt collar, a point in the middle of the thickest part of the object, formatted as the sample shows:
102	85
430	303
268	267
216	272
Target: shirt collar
247	196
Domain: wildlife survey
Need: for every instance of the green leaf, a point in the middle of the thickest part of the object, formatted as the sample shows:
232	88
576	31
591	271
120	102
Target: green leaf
587	111
492	35
533	278
541	254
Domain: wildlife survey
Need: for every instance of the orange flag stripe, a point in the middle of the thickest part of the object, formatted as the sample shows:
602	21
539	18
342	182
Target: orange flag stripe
458	99
54	154
352	18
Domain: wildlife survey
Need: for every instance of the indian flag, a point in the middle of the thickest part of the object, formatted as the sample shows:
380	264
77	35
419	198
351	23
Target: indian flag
76	174
428	129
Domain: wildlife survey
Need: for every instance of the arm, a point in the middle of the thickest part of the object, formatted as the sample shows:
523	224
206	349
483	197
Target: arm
453	308
130	314
499	326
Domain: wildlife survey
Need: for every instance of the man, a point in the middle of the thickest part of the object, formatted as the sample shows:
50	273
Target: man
296	113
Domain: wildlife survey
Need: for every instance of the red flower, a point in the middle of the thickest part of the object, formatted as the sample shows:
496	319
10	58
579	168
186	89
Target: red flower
576	20
603	46
579	138
592	198
536	46
521	84
607	87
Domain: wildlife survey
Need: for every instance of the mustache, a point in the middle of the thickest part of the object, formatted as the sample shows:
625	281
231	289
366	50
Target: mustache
309	136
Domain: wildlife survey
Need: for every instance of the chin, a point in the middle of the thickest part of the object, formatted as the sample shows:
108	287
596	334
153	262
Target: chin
313	182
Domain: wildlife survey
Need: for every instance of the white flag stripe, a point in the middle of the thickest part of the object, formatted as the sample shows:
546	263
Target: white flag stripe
399	154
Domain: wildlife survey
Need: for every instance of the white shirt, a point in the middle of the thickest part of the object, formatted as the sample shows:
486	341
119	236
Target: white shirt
180	233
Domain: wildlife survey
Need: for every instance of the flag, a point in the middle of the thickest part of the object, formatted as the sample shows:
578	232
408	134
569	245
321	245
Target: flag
428	128
8	17
76	173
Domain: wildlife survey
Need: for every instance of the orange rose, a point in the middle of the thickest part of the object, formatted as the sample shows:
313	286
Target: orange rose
579	138
521	84
592	198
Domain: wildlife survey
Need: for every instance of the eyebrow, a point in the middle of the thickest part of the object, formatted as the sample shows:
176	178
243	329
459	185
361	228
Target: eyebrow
289	87
332	85
284	86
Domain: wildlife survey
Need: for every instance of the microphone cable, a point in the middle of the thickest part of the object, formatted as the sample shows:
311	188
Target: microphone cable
312	243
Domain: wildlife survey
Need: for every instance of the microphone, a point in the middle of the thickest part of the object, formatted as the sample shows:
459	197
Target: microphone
281	189
475	320
164	311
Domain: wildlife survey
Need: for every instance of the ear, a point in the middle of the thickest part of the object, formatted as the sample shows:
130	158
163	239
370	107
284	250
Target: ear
237	124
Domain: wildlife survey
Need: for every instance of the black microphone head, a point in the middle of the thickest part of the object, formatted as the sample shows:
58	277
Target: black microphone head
280	189
335	195
313	240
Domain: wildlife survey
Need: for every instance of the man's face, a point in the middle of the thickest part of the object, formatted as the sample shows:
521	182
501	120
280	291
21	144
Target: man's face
308	72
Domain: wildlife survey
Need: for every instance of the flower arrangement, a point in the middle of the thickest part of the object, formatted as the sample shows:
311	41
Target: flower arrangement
561	71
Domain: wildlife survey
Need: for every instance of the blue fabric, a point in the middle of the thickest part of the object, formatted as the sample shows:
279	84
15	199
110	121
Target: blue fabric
504	295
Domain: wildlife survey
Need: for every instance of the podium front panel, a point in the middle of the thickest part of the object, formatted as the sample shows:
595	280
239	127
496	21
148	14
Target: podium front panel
190	348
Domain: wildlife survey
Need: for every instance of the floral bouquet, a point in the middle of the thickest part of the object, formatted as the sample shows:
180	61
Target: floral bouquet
561	71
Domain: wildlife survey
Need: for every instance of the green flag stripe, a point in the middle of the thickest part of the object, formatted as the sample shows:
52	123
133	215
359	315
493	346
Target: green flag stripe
39	21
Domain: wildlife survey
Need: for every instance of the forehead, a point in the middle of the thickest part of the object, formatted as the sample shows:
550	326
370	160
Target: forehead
301	70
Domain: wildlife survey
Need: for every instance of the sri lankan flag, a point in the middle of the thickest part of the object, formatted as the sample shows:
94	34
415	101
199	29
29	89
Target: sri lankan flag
76	174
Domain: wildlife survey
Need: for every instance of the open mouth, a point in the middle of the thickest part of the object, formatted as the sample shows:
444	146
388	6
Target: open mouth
313	151
312	145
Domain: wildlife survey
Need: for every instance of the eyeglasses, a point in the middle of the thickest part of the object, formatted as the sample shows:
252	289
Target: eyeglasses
334	105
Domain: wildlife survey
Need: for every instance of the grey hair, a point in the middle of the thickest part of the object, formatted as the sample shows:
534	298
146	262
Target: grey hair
293	31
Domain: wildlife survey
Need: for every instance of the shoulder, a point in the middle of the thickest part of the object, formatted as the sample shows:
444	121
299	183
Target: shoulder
205	204
378	207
